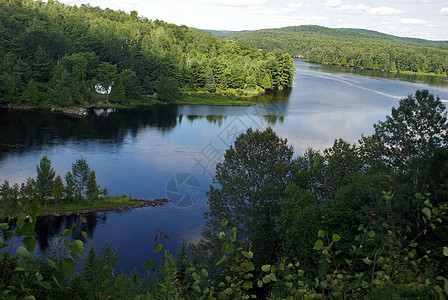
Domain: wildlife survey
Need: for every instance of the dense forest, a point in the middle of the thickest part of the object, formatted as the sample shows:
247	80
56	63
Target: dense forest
55	55
362	221
351	48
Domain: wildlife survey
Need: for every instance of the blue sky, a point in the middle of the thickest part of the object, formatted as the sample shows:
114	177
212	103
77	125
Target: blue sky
426	19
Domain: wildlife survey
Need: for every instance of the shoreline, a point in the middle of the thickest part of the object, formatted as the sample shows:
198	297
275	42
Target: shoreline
138	203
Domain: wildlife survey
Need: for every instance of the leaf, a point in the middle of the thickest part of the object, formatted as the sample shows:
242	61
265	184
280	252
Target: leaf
249	254
4	226
51	263
67	267
46	285
220	261
336	237
204	273
30	243
273	278
247	285
149	264
420	196
260	283
266	268
23	253
250	266
319	245
28	229
321	233
158	247
371	233
80	245
84	234
230	248
427	212
445	251
266	278
222	235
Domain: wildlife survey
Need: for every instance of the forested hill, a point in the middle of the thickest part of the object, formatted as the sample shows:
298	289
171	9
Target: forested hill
352	48
54	55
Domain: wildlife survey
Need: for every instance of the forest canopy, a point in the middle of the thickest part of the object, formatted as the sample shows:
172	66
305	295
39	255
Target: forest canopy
55	55
356	48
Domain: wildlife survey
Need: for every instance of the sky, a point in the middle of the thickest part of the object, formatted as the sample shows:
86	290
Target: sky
427	19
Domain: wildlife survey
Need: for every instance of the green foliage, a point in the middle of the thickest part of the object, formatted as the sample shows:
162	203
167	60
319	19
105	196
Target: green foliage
45	179
351	48
251	181
73	51
81	182
168	89
22	275
117	93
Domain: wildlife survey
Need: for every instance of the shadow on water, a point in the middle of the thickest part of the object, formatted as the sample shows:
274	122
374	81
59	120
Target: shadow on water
22	129
48	228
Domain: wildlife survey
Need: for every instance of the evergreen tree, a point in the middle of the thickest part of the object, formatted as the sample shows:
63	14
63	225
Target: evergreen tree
210	83
266	82
58	190
118	93
31	94
45	179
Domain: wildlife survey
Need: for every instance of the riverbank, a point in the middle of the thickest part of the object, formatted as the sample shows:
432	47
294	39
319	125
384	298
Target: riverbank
121	203
224	98
135	203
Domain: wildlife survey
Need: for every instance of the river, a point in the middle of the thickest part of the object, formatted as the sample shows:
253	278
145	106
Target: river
171	151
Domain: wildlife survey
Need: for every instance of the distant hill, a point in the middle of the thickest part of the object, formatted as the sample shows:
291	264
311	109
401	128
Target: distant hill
358	48
215	33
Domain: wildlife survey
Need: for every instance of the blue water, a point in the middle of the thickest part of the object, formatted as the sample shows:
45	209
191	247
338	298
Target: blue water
172	151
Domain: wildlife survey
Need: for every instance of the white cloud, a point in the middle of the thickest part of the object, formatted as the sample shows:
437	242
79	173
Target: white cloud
332	3
361	9
444	11
384	11
411	21
293	8
236	3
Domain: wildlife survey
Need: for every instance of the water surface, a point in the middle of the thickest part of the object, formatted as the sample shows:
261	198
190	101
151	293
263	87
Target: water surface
171	151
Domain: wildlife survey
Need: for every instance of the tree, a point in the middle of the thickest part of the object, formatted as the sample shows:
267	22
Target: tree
78	179
132	85
210	83
117	93
168	89
31	94
266	82
81	182
45	179
247	187
107	73
413	133
93	188
58	190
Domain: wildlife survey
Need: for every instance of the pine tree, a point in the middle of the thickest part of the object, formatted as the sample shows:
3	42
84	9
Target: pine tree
45	179
210	82
118	93
31	94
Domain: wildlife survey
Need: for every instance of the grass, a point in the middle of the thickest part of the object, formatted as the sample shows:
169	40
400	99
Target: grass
107	202
225	99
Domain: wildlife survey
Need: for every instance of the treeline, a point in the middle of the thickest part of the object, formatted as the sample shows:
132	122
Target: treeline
58	55
365	221
48	189
351	48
